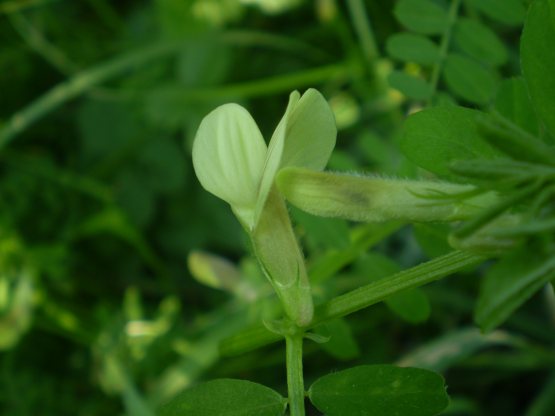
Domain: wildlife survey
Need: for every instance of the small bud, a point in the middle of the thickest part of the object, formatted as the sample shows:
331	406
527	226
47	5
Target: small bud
213	271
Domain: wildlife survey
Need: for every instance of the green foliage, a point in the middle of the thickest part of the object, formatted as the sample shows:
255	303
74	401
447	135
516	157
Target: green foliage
379	390
124	286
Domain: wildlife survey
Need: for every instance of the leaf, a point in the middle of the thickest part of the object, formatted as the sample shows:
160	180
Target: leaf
513	102
412	87
411	305
538	59
435	137
228	157
509	283
422	16
432	238
323	233
468	80
226	397
379	390
410	47
509	12
341	343
480	42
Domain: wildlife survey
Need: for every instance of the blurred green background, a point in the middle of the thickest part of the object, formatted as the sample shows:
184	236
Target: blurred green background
100	210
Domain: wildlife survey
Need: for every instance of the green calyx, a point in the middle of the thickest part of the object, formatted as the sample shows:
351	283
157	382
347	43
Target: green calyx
377	199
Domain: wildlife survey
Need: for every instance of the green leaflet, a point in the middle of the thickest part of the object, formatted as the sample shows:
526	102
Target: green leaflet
469	80
411	305
421	16
435	137
412	87
538	59
410	47
480	42
226	397
341	343
380	390
509	12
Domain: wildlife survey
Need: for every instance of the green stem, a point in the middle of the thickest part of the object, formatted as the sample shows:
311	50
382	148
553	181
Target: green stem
444	46
364	31
78	84
36	40
360	298
295	380
381	289
257	88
